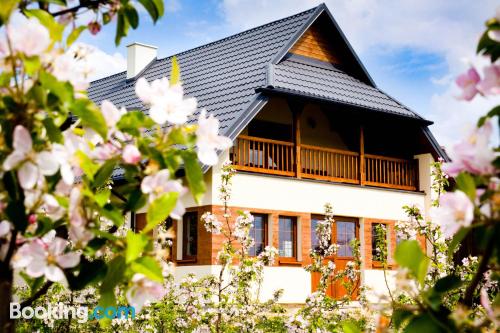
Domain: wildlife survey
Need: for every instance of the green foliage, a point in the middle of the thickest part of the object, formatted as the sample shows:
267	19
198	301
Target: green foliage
409	255
159	210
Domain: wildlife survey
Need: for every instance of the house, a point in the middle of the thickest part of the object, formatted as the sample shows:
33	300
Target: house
309	126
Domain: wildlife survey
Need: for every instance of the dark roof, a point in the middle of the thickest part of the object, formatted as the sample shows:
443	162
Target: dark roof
319	79
225	76
222	75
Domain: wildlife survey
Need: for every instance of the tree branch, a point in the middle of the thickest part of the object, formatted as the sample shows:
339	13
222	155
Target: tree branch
35	296
483	267
90	4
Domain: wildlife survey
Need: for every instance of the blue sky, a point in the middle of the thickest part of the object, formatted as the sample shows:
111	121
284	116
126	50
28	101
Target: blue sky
412	48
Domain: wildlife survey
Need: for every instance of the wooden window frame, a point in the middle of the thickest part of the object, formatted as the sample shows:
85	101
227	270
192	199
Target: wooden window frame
333	236
345	219
266	230
185	257
377	264
293	259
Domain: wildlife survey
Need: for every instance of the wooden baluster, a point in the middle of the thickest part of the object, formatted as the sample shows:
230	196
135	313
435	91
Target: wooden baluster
362	155
273	158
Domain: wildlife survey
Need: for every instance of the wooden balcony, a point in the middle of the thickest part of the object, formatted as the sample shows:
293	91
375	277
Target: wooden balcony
280	158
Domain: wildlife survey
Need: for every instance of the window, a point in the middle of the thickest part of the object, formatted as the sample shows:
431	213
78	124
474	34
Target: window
346	232
314	235
287	236
379	242
259	234
190	235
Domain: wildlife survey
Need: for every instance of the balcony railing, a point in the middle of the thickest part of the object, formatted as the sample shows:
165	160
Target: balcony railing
278	157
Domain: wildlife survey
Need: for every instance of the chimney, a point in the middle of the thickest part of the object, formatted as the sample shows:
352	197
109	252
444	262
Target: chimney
138	57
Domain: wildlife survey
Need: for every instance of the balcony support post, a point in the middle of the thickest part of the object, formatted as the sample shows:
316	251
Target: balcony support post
362	168
296	107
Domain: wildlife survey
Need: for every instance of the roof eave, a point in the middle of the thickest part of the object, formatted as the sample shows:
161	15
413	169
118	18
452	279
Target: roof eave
286	92
259	101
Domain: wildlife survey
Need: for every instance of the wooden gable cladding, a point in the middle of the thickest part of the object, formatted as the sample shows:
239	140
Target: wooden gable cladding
314	44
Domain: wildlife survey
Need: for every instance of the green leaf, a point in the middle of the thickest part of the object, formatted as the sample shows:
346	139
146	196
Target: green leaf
457	239
62	90
114	274
113	214
55	29
153	7
133	121
400	316
54	133
466	184
89	272
102	197
6	9
136	200
493	112
90	116
424	323
410	255
447	283
175	72
159	210
74	34
32	65
159	7
121	27
135	245
194	175
149	267
103	175
350	327
88	166
132	16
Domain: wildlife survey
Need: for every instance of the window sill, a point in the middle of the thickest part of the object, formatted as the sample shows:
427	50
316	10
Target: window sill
289	262
186	261
380	265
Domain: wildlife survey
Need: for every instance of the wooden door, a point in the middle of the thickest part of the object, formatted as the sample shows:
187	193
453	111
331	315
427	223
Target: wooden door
343	231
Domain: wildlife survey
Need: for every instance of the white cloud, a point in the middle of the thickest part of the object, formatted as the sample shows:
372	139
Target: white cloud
449	29
101	63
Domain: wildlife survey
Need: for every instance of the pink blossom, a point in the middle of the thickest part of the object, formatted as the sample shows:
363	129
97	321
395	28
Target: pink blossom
94	27
28	36
33	165
167	101
67	67
45	257
473	154
490	84
65	155
131	154
454	212
105	151
51	207
76	214
208	139
144	291
468	81
5	228
159	184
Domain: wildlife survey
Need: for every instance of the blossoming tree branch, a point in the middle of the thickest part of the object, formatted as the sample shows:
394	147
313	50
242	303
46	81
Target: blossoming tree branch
59	207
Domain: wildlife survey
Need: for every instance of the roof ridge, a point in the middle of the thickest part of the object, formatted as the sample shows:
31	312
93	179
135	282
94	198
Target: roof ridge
241	33
222	39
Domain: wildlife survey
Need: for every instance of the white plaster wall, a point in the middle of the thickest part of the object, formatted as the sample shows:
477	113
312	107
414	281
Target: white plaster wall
258	191
295	281
374	280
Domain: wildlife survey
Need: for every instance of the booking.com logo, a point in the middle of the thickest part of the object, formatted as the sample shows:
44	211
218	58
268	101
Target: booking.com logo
62	311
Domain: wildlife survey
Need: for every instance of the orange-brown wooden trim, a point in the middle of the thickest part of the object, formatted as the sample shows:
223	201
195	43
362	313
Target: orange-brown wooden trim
254	138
